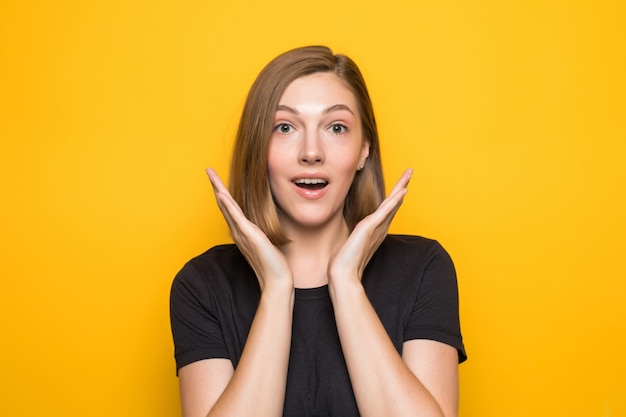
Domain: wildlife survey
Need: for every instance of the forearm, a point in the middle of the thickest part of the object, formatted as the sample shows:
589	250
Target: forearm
382	382
257	387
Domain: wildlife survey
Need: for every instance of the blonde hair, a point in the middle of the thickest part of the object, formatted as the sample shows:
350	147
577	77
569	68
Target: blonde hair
249	183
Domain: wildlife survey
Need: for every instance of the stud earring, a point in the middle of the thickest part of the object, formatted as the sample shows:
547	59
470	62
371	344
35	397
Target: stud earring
361	166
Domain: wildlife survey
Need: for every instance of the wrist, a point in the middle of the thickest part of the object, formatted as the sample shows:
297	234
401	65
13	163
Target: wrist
348	288
276	291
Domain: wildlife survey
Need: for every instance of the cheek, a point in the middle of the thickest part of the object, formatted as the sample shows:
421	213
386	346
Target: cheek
346	168
275	162
350	159
272	157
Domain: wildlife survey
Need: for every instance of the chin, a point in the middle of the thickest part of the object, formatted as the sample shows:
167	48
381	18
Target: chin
312	218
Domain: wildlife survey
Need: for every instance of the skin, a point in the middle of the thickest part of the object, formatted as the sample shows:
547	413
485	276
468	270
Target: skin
421	382
317	135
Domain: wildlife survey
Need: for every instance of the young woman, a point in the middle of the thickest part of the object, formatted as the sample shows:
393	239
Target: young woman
315	310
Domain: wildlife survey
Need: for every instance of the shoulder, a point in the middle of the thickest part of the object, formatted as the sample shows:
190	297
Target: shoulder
412	249
402	261
405	262
217	256
220	266
221	258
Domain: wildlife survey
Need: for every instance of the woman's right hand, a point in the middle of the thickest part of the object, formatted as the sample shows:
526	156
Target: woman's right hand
267	261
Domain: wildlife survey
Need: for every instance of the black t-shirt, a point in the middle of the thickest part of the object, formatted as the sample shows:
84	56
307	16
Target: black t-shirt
410	281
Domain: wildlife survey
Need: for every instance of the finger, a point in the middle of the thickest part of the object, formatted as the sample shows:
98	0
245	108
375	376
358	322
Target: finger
396	196
216	181
231	211
403	182
218	187
227	203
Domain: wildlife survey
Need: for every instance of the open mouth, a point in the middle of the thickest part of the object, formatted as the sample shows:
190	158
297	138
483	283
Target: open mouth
311	183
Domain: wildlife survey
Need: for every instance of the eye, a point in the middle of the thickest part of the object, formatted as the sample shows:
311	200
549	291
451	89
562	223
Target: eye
338	128
284	128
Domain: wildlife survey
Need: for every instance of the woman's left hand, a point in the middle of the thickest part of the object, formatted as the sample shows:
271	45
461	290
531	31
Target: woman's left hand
349	261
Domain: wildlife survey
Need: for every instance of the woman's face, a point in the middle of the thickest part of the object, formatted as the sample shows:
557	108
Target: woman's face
315	151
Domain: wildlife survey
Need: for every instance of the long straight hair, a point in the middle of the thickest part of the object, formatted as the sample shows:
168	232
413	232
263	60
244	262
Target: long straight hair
249	182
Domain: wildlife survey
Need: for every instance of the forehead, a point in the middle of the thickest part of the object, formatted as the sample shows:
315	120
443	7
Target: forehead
320	87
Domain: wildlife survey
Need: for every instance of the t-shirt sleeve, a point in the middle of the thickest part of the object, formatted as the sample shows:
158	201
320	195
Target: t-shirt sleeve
435	314
194	319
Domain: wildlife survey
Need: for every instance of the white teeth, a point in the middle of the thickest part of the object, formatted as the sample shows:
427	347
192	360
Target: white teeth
310	181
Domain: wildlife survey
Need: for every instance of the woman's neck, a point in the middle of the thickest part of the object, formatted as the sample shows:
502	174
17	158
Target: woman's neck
309	251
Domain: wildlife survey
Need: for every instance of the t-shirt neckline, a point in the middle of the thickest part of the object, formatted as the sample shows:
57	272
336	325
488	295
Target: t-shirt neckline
311	293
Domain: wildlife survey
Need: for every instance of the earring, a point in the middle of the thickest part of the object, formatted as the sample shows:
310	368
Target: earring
361	166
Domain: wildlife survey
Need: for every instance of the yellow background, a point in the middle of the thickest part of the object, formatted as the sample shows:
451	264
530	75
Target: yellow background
512	114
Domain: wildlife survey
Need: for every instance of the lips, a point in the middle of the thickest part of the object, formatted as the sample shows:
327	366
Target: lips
310	186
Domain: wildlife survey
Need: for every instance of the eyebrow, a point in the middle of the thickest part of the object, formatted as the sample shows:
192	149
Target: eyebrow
330	109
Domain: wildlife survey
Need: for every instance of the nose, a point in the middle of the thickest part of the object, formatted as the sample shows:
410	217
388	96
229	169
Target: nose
311	151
